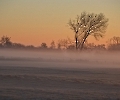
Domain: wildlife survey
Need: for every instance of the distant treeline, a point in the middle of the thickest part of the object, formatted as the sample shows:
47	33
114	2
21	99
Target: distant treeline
63	44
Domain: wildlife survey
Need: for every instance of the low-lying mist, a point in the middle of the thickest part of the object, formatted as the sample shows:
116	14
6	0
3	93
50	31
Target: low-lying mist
60	59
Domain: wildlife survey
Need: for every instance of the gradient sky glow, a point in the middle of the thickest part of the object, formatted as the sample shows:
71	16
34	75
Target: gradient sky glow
36	21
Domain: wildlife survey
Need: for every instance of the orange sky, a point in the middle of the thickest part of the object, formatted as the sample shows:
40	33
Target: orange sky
37	21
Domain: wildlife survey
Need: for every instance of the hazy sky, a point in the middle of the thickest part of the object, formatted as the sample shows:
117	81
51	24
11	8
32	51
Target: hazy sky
36	21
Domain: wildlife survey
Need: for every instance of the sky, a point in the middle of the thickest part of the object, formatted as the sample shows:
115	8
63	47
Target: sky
32	22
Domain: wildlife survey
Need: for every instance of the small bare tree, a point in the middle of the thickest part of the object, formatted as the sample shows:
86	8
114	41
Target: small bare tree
88	24
64	43
5	41
115	40
44	45
52	45
114	43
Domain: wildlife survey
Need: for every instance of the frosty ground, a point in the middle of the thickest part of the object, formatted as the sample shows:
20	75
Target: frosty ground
59	79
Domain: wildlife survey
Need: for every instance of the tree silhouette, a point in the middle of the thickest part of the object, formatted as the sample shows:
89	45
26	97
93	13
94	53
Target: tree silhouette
44	45
5	41
114	43
64	43
18	45
52	45
88	24
115	40
59	46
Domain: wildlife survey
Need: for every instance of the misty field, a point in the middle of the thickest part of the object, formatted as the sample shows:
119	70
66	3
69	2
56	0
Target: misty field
60	79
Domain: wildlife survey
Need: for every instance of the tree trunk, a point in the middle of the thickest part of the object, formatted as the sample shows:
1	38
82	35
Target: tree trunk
81	47
76	39
82	43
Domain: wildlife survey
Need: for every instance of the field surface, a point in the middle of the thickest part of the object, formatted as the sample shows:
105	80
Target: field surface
33	80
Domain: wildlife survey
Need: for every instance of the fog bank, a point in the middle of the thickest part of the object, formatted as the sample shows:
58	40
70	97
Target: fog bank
60	59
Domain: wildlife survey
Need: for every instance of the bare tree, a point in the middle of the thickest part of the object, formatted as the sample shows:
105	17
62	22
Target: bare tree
59	46
64	43
115	40
5	41
44	45
114	43
52	45
88	24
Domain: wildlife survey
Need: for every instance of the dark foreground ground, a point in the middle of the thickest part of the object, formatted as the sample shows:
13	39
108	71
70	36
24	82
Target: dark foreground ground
18	82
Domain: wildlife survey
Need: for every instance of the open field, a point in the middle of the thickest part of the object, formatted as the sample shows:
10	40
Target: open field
22	81
27	75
